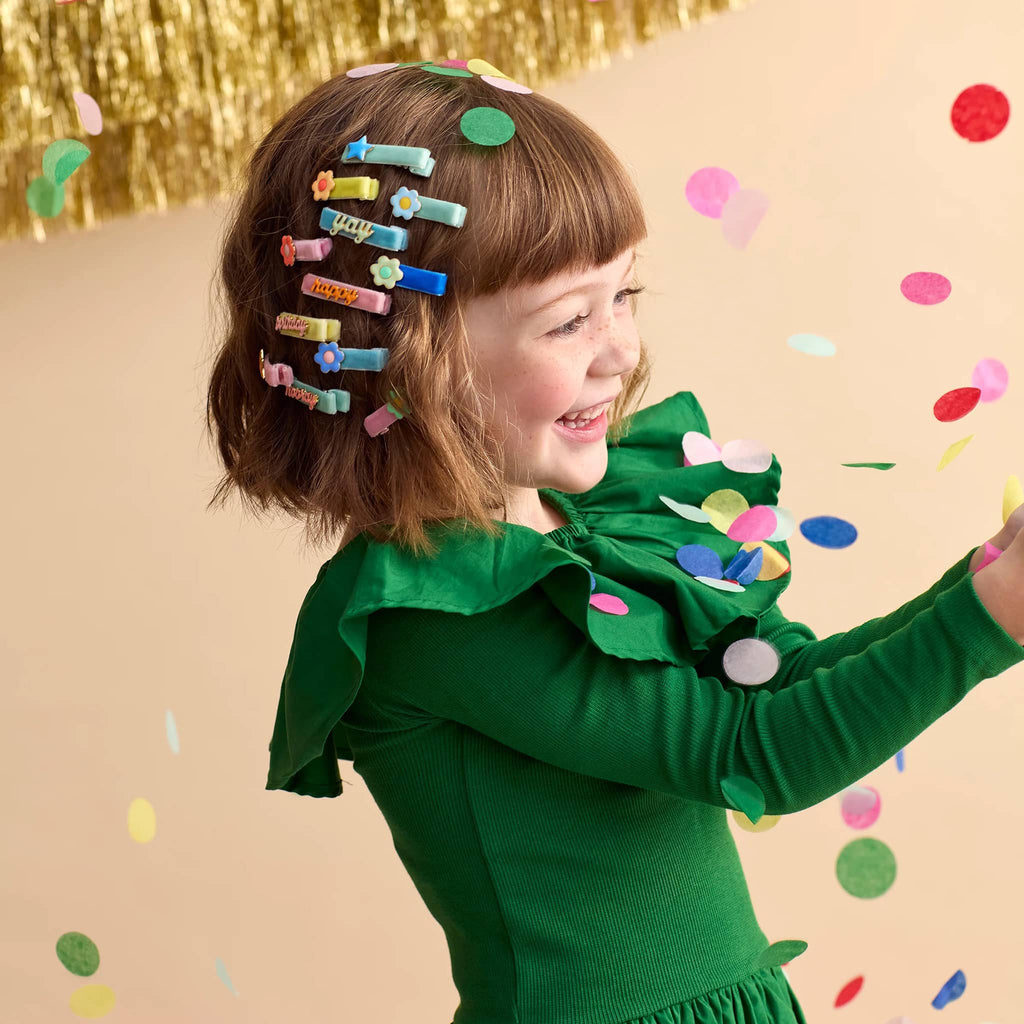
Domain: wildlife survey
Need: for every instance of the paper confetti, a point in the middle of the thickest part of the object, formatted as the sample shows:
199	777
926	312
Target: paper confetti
744	795
953	451
742	215
953	989
757	523
1013	496
991	377
849	990
869	465
699	449
62	158
222	973
866	868
778	954
691	512
609	603
723	506
172	732
899	760
368	69
506	83
956	404
750	661
766	822
860	806
141	820
92	1001
439	69
811	344
746	456
44	197
78	953
481	67
829	531
89	112
926	288
980	113
487	126
709	189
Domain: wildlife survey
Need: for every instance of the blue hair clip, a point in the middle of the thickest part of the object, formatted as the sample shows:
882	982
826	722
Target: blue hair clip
412	158
359	230
389	271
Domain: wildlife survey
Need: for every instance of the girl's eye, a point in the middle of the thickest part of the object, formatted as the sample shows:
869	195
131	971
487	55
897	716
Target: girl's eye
577	322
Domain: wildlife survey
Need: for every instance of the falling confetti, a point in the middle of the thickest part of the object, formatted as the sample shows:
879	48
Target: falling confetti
744	795
956	404
1013	496
829	531
92	1001
953	451
849	991
78	953
709	189
991	378
89	112
953	989
62	158
742	215
44	197
869	465
860	806
899	760
925	288
811	344
866	868
778	954
980	113
767	821
222	973
172	732
141	820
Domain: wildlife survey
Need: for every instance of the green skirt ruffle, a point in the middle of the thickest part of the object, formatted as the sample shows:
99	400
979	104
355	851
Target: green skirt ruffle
764	997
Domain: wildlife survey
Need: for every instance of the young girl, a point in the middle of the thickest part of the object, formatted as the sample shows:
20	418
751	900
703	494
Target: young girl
505	646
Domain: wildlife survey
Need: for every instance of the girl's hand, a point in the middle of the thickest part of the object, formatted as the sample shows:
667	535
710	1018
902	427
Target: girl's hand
1003	539
1000	586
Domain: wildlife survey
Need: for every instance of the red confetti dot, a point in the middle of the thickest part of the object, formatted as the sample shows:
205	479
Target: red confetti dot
956	404
849	991
980	113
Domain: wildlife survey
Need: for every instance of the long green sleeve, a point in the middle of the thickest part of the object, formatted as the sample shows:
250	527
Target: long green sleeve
520	675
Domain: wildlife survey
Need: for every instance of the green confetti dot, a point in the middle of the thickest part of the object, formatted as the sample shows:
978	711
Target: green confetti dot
866	868
44	197
779	953
62	158
744	795
870	465
452	72
78	953
487	126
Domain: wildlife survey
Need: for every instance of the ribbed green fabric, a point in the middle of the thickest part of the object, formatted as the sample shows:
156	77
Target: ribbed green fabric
551	774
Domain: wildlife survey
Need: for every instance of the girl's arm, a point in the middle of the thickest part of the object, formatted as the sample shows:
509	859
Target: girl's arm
522	675
801	651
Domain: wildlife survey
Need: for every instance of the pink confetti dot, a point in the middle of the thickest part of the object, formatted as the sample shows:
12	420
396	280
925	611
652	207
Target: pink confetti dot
609	603
992	378
454	64
368	69
506	83
709	189
861	806
741	216
926	289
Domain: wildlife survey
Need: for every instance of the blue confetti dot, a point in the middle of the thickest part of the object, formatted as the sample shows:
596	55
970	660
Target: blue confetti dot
953	989
593	581
699	560
899	760
829	531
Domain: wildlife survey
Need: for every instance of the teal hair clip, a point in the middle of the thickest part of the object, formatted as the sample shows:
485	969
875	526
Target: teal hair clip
408	203
282	375
381	235
412	158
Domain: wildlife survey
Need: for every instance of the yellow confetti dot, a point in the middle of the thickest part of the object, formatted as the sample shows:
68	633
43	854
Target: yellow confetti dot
141	820
92	1001
765	822
953	451
774	563
722	507
481	67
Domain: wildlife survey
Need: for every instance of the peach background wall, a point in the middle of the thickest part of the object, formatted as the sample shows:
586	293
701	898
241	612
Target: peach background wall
124	598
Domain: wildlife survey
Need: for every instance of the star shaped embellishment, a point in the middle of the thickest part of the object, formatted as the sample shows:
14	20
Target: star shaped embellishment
357	150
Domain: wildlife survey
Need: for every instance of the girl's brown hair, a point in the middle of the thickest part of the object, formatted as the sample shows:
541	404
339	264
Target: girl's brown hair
552	199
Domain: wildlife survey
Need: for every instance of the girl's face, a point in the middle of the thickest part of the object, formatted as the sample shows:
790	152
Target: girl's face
547	349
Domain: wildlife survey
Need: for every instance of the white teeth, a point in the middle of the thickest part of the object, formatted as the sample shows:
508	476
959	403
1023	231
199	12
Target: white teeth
592	413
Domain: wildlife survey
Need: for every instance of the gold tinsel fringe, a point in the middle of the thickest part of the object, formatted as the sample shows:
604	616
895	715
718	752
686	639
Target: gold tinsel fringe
186	90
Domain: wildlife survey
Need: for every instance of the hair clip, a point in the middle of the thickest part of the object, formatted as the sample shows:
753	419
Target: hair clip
276	374
389	271
309	327
408	203
304	249
359	230
381	419
327	186
412	158
346	294
332	359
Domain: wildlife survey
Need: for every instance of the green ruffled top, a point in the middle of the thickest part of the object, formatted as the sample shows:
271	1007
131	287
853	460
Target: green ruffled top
556	777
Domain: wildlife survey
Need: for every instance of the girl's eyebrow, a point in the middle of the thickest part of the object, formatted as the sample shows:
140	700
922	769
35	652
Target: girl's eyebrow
574	291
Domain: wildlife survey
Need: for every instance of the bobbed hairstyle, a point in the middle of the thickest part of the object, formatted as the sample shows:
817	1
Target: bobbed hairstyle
553	199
